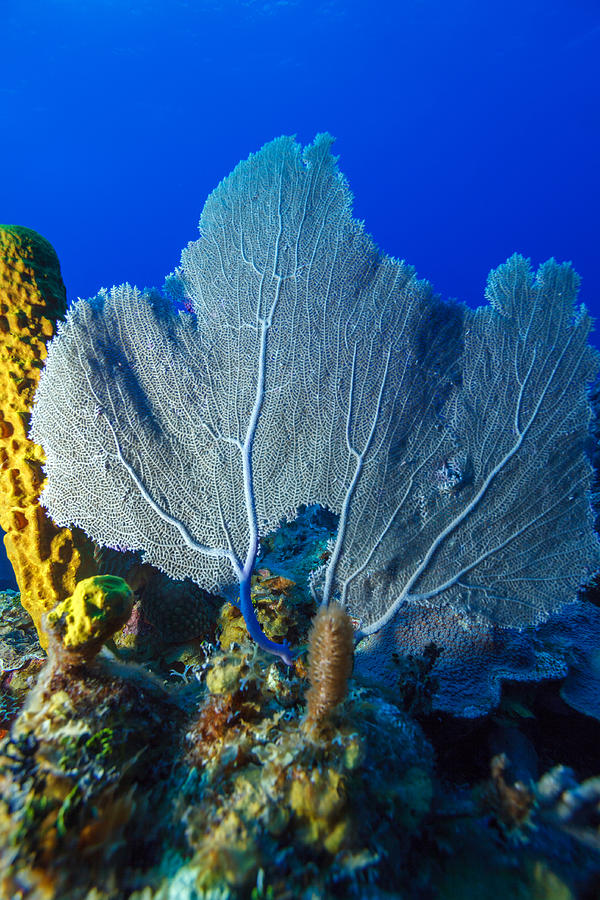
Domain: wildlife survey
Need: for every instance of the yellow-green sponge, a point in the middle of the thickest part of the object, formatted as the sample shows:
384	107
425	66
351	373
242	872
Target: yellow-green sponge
98	607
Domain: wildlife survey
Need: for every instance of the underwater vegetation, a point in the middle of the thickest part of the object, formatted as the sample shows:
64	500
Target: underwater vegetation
391	497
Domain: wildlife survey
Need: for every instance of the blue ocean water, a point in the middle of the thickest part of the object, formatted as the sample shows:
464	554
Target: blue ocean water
466	130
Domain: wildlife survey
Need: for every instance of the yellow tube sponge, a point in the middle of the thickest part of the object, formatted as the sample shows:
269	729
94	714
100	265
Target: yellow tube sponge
98	607
48	561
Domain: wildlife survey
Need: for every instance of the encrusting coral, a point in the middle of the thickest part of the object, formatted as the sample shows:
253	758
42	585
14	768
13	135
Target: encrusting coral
47	560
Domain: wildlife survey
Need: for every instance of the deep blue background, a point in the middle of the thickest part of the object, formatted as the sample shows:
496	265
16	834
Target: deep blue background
467	130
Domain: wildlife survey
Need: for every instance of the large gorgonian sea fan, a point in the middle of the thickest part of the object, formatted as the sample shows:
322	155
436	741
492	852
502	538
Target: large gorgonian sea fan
498	524
317	370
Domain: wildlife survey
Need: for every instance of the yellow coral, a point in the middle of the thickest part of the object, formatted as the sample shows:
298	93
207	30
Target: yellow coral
231	855
320	802
48	561
225	675
98	607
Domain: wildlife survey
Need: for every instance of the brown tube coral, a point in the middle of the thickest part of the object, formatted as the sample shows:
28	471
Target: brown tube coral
48	561
330	659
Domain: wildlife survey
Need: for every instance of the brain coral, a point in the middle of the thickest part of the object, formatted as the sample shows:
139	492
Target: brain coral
48	561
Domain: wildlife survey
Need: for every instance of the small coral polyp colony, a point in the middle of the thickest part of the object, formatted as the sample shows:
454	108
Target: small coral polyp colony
156	753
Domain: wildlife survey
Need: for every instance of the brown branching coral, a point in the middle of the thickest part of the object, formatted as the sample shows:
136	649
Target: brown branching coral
330	659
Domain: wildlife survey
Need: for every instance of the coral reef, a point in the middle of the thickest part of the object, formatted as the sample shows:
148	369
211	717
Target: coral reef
201	781
72	777
166	612
171	611
241	793
47	560
280	605
294	804
21	657
473	663
158	754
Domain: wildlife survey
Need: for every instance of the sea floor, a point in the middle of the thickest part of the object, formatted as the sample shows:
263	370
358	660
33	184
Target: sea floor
191	773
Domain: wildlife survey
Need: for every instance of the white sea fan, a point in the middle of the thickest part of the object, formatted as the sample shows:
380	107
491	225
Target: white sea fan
317	370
